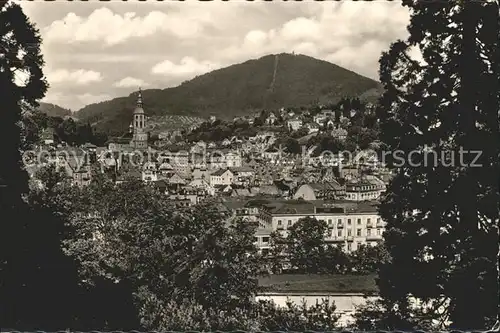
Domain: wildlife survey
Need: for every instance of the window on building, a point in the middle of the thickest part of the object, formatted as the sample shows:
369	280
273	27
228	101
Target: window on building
348	221
349	232
358	232
340	221
265	239
330	222
340	233
368	220
379	232
349	246
289	222
359	221
378	220
279	222
369	232
256	239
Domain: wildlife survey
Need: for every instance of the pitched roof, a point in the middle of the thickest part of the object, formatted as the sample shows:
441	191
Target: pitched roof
353	207
297	208
220	172
242	169
176	179
165	166
331	185
243	192
160	183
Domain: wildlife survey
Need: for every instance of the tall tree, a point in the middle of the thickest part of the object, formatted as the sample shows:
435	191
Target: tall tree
442	216
130	235
278	257
306	245
20	59
367	259
307	251
21	85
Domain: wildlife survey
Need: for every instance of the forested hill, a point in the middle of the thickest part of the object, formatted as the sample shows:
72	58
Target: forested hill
268	82
53	110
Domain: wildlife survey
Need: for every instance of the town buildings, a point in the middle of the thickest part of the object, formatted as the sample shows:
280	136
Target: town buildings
253	180
237	170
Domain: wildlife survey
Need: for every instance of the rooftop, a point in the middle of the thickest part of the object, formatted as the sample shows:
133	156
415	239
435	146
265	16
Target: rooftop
219	172
308	207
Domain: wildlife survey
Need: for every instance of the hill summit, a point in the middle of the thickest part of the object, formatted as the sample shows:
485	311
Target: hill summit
270	82
53	110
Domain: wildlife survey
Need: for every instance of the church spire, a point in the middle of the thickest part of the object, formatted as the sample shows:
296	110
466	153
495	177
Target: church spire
139	99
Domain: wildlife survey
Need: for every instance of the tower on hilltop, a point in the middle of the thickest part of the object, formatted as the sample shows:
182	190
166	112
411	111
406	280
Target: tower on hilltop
140	136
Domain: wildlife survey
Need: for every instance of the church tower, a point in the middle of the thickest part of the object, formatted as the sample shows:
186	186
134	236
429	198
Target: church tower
140	137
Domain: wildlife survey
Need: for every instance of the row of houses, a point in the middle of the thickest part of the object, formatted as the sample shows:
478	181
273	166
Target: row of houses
326	118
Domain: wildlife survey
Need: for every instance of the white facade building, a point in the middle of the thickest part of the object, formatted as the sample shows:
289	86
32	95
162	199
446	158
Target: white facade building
349	227
221	177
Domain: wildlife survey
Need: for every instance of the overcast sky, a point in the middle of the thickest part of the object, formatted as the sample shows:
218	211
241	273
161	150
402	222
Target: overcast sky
96	51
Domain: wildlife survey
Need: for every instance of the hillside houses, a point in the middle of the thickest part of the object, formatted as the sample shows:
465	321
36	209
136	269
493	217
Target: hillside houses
271	119
74	163
294	124
254	177
339	133
312	127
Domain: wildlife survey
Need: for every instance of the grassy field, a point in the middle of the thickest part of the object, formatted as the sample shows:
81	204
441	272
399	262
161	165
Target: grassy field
319	283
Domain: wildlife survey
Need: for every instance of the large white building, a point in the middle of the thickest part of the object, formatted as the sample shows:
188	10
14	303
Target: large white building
221	177
368	188
349	224
233	159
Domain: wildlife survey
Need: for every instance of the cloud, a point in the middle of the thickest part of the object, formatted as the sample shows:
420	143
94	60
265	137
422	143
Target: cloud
175	41
94	58
256	38
130	82
91	98
80	76
350	34
302	28
111	28
75	102
187	67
